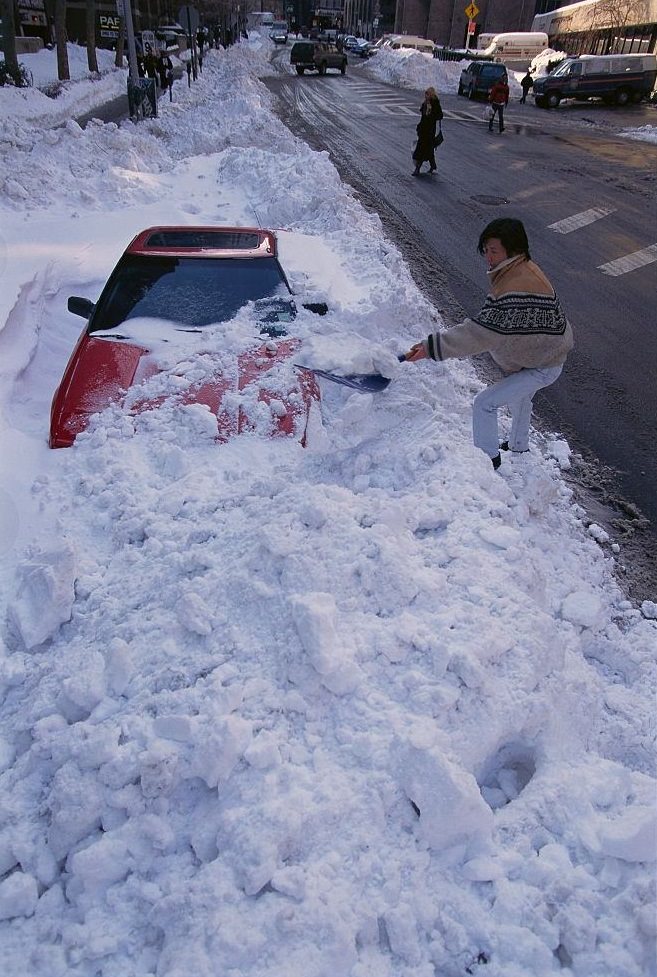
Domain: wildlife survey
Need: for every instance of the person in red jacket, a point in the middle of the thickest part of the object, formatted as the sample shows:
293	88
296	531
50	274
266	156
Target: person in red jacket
498	98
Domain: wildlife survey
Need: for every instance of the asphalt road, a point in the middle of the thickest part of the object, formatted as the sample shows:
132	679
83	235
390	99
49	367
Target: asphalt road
547	168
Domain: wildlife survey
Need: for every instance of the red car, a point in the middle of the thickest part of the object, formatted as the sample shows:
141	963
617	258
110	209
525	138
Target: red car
188	279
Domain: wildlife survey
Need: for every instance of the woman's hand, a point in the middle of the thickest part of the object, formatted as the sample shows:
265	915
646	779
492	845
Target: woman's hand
415	353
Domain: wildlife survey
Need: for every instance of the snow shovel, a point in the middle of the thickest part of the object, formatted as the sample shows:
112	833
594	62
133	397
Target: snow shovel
367	383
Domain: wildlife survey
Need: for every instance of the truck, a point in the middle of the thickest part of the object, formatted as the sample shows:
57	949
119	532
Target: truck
317	56
520	47
615	78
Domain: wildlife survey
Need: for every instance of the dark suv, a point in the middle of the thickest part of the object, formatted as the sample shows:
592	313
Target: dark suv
317	56
479	77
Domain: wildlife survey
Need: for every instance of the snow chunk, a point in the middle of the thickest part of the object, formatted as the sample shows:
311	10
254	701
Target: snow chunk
504	537
631	837
101	864
582	608
220	748
315	617
560	450
452	810
18	896
45	594
194	614
86	688
649	610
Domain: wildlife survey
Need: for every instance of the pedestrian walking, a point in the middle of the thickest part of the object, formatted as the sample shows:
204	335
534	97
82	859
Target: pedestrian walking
498	98
150	64
165	71
431	114
526	84
521	325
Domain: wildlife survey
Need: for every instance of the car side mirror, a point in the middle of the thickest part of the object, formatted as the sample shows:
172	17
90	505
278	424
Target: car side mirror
79	306
319	308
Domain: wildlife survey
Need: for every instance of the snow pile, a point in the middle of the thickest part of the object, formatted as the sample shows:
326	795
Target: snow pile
539	65
364	708
74	97
411	69
643	133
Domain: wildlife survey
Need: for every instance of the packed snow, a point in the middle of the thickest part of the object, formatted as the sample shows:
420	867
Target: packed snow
363	709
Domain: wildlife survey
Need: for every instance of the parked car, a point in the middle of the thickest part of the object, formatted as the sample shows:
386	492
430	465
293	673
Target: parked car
317	56
615	78
278	33
479	77
177	285
363	48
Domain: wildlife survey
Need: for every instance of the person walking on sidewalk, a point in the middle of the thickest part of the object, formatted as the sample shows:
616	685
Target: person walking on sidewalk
526	84
431	114
498	98
521	325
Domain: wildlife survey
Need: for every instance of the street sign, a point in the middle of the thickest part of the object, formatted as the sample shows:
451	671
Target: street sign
472	27
189	19
471	11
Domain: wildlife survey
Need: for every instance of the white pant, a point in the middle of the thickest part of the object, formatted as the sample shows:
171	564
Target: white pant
515	392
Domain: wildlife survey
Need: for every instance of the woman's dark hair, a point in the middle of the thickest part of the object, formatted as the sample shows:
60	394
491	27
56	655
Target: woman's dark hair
510	232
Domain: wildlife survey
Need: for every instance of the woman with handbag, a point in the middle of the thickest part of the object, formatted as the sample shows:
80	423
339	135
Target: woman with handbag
431	114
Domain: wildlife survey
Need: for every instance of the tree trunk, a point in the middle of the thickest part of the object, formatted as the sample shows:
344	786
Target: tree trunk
63	72
92	60
9	35
120	41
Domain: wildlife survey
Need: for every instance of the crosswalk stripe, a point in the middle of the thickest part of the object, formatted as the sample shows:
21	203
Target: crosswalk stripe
580	220
630	262
393	109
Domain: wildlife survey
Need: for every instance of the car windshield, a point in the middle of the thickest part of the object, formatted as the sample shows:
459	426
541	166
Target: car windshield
195	292
563	69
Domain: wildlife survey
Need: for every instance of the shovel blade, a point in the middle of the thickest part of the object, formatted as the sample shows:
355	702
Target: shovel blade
367	383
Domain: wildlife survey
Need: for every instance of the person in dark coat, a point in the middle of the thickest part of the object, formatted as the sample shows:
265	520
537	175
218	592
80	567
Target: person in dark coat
165	71
526	84
430	115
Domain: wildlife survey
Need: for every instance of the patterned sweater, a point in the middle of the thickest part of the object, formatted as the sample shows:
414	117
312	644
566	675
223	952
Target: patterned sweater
521	323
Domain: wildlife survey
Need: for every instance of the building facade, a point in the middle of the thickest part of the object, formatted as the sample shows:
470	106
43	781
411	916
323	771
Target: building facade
446	22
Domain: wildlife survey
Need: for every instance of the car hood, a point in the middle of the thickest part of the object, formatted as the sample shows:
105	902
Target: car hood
256	389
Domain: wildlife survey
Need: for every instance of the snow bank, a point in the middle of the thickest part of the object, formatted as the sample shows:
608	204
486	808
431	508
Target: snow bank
365	708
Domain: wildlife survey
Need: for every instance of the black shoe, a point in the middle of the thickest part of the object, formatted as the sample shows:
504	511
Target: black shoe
504	446
432	169
497	461
416	171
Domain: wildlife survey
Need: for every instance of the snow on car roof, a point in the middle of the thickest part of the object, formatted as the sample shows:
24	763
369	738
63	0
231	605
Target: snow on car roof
226	242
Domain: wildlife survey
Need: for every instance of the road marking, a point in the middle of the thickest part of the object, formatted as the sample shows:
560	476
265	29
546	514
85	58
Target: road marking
630	262
580	220
394	108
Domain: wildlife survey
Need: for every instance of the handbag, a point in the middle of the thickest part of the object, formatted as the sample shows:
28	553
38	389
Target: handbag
440	139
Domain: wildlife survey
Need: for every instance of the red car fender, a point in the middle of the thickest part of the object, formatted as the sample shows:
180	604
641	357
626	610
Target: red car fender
115	366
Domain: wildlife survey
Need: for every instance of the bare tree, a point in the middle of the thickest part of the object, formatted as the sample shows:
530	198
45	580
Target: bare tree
63	72
92	60
617	15
9	35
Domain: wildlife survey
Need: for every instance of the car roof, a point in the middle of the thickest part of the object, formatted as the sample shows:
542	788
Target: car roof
205	242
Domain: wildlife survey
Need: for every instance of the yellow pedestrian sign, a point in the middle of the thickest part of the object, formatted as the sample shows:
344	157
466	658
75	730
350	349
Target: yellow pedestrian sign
471	11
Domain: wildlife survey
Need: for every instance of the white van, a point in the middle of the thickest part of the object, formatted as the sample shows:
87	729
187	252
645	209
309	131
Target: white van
405	41
521	46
